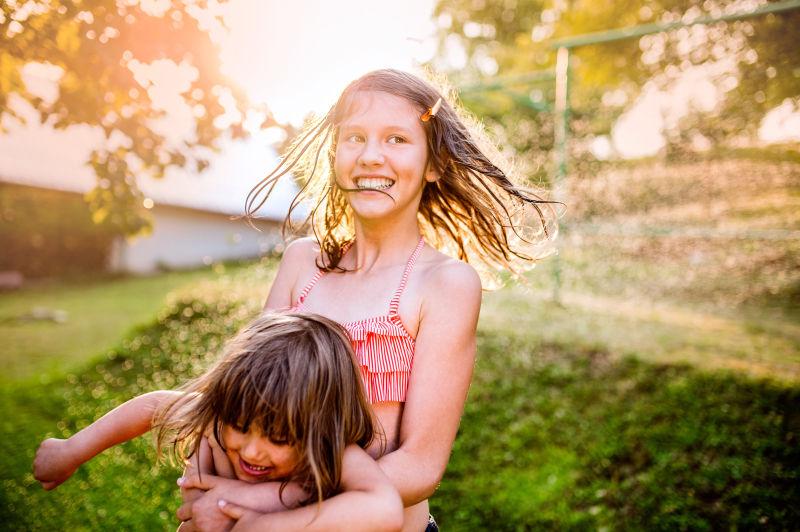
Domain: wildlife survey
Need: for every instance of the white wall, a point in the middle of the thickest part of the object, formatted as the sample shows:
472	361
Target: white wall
183	238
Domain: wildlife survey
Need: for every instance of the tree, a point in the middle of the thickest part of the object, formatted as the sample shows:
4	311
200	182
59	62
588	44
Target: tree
97	45
513	37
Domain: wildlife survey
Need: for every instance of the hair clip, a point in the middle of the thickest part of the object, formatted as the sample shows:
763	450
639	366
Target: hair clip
431	112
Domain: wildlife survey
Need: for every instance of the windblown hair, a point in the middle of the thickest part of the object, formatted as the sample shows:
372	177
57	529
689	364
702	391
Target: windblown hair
292	377
474	211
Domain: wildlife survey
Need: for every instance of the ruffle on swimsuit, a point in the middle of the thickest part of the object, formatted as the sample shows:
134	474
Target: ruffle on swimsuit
384	349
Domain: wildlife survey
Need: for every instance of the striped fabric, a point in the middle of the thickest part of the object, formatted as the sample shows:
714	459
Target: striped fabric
384	349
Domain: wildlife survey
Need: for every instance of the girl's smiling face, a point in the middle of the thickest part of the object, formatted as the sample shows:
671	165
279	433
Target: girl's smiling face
382	145
256	458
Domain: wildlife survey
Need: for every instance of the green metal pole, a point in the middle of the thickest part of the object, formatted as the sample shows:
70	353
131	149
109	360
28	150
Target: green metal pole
561	141
621	34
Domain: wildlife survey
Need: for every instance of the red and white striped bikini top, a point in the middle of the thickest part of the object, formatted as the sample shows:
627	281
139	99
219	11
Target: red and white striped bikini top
384	348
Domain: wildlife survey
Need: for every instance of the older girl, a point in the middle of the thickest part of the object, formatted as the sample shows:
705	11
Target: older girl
405	205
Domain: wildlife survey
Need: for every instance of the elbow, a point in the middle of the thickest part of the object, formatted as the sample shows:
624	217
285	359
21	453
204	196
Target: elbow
431	482
427	483
392	516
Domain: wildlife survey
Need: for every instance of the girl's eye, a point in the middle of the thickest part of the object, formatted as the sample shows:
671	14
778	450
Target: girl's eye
396	139
355	137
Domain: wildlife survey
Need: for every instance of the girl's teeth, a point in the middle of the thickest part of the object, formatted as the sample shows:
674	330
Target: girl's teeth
374	182
254	468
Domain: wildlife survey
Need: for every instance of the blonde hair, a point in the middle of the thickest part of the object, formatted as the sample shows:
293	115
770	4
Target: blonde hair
294	378
474	211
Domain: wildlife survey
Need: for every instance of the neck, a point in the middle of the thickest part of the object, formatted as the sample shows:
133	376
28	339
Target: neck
383	245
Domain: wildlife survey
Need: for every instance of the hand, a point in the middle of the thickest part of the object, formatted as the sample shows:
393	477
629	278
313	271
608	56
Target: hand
244	517
54	463
201	501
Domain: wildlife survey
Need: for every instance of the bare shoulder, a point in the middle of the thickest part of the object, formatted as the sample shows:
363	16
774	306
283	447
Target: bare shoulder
300	252
447	276
354	453
356	463
296	264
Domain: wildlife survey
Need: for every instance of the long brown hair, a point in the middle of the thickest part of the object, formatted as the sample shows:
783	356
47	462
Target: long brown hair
474	211
294	378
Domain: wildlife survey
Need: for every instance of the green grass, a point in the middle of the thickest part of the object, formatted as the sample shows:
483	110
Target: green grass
99	314
553	436
555	439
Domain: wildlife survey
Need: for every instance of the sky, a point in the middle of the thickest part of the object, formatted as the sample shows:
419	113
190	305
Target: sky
296	57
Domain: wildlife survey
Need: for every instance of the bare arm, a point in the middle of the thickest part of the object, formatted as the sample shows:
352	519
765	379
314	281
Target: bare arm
443	362
368	502
298	255
56	460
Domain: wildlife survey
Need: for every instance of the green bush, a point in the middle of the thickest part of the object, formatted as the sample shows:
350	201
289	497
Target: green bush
49	233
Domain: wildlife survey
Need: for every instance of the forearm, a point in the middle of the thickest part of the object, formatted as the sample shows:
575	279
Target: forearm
127	421
266	497
350	511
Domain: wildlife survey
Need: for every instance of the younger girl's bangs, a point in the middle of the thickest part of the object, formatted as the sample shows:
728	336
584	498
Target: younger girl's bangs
254	395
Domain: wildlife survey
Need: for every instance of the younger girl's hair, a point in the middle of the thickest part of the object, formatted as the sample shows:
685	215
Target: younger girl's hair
292	377
473	211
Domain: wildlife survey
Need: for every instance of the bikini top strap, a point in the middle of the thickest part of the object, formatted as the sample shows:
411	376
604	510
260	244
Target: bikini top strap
308	288
395	303
317	277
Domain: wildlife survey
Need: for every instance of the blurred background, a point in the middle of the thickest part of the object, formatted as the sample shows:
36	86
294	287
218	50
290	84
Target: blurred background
645	377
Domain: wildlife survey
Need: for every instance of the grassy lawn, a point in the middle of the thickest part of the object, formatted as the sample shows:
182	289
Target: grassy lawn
99	314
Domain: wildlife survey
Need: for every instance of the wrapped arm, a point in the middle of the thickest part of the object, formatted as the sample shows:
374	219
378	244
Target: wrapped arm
443	363
368	502
56	459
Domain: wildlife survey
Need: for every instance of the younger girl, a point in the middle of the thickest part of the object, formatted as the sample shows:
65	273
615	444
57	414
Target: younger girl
407	200
284	404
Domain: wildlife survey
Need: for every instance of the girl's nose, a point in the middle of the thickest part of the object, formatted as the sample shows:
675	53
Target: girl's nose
371	155
252	452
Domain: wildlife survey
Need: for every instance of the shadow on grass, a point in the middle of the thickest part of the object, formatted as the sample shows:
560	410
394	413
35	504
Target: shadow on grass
555	439
551	438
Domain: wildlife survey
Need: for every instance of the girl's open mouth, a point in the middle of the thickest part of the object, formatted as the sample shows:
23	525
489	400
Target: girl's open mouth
373	183
254	470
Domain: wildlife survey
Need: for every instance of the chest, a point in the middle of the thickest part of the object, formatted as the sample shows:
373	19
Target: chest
354	296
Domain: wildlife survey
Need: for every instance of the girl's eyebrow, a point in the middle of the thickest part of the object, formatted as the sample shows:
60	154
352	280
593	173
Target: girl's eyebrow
390	127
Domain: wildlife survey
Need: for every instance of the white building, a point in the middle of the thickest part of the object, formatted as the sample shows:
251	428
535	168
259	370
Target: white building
194	216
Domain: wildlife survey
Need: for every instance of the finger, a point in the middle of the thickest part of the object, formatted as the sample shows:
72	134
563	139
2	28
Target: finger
184	513
231	510
186	526
51	484
195	481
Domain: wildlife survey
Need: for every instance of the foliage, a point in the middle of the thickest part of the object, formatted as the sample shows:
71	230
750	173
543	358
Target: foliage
99	48
753	60
46	232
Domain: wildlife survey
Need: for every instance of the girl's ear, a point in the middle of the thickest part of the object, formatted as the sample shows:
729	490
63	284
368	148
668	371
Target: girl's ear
431	175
